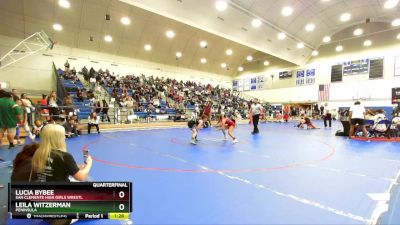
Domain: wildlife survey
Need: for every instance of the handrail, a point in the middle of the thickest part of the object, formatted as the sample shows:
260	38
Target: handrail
61	91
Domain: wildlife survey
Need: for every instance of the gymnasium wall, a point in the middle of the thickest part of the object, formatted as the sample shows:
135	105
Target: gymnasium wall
372	92
128	66
34	72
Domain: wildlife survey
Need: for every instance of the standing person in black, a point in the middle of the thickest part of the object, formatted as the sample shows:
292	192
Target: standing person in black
255	110
321	110
327	116
105	111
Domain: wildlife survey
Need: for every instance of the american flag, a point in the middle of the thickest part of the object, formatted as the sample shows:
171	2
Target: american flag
323	93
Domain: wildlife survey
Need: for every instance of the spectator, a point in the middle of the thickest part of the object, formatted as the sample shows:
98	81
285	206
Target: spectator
24	123
105	111
10	116
69	105
52	103
379	116
327	116
37	127
14	94
27	104
93	121
357	115
70	128
22	164
66	65
321	110
79	95
92	82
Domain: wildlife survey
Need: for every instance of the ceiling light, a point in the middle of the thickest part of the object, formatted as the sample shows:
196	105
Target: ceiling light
287	11
147	47
389	4
300	45
108	38
310	27
203	60
178	54
64	3
221	5
396	22
266	63
249	58
367	43
315	53
57	27
281	36
325	0
326	39
203	44
223	65
339	48
125	21
358	32
240	68
345	17
170	34
229	52
256	23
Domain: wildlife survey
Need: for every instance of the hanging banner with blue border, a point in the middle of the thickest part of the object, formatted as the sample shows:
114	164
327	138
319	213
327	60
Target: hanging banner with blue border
249	84
310	76
300	78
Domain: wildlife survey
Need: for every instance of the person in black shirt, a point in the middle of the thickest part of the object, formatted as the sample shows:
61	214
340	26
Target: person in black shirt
51	161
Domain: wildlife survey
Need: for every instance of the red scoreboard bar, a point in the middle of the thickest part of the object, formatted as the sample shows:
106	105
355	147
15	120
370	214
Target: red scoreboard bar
74	200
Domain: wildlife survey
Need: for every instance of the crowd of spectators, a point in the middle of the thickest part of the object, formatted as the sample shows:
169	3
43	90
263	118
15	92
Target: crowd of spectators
147	94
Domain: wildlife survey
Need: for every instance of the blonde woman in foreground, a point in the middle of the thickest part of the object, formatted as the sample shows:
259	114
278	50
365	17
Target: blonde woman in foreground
52	162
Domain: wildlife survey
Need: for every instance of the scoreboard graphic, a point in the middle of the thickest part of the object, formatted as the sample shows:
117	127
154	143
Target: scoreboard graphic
75	200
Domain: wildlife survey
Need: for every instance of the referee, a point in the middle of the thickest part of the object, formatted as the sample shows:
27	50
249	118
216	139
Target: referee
255	110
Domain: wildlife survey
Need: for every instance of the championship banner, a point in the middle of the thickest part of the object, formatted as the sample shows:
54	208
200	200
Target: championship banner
260	83
253	84
249	84
310	76
235	85
246	85
300	78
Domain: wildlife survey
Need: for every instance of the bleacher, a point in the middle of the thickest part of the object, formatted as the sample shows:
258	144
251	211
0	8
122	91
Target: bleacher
83	109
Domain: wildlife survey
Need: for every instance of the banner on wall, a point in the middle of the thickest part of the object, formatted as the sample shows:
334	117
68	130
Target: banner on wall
397	65
356	67
300	77
235	85
285	74
305	77
246	85
310	76
249	84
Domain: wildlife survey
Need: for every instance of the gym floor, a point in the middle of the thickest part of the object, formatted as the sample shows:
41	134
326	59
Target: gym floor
284	175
